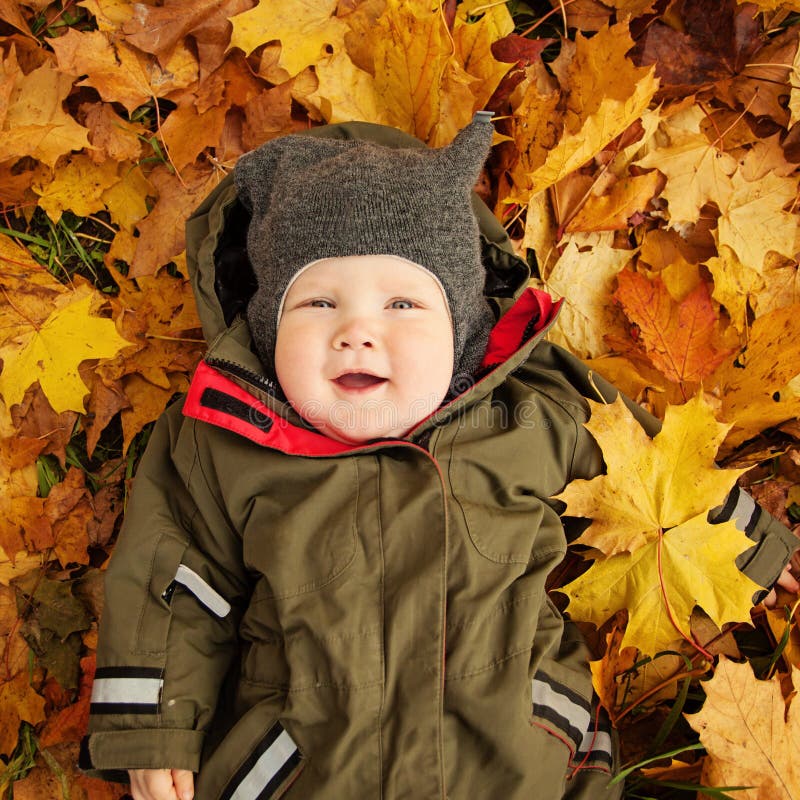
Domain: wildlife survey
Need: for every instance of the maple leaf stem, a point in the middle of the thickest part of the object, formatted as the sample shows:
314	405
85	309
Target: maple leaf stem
678	676
697	646
164	142
11	303
562	5
721	135
173	338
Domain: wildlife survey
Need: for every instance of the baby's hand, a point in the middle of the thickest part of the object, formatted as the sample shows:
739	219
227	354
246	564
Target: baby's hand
161	784
786	580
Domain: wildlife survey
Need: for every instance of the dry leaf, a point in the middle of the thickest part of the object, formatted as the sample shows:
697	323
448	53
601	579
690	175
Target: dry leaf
661	582
52	352
681	339
585	279
650	485
605	94
751	733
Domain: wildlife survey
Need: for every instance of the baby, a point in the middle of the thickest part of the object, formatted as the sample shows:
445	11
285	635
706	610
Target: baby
330	580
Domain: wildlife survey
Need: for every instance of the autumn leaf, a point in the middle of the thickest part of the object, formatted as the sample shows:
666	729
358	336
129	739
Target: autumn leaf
21	511
603	92
585	279
18	701
78	187
696	171
422	87
751	733
661	582
303	29
650	485
753	386
50	353
611	211
35	122
120	73
681	339
753	221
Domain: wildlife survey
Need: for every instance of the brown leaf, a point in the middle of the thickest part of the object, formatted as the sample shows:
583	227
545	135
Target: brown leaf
519	49
751	733
69	510
161	233
10	13
111	136
717	42
18	701
21	517
147	403
682	339
34	417
70	723
158	29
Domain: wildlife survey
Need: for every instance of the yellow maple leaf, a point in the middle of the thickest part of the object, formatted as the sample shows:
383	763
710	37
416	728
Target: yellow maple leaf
473	40
751	385
735	285
585	279
345	92
303	29
78	186
603	95
51	353
696	171
690	565
751	733
651	485
421	85
35	122
753	221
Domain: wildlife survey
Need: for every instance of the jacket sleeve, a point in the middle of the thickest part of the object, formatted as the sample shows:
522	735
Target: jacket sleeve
173	597
773	542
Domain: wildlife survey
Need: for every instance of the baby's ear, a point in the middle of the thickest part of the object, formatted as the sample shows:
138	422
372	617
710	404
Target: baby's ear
467	153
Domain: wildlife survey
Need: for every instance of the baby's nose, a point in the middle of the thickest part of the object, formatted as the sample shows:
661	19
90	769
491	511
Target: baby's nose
354	336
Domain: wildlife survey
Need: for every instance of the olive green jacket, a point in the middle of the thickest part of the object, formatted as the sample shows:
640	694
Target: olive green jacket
295	617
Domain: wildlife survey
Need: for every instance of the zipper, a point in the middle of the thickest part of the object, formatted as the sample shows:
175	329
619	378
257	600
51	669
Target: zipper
248	375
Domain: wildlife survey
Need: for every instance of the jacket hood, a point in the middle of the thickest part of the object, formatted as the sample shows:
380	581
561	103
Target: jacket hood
222	277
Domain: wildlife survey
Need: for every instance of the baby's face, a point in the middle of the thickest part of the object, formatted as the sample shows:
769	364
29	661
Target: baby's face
365	346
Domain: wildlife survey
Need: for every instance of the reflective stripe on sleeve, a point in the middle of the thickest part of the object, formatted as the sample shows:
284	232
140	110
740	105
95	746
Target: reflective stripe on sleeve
205	594
739	507
126	690
268	766
585	727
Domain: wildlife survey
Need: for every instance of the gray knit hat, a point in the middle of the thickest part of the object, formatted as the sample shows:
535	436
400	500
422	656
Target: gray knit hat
314	198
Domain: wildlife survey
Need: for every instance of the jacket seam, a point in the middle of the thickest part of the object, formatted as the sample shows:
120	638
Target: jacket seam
381	626
498	611
491	665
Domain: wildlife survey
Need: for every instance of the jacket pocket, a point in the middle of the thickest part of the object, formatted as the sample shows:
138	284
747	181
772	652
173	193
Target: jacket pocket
302	534
155	615
257	760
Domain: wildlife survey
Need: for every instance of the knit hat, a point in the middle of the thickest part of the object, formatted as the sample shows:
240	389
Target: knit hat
314	198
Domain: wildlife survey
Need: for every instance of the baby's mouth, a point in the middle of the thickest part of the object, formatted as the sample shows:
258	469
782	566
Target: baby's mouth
358	380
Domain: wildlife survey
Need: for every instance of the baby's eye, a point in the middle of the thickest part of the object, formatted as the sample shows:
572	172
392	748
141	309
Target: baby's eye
320	303
402	304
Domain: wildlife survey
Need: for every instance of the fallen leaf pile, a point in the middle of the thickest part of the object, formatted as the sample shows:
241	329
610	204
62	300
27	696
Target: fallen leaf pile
645	161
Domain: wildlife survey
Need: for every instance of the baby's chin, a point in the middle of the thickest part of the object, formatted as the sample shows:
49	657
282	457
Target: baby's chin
360	437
